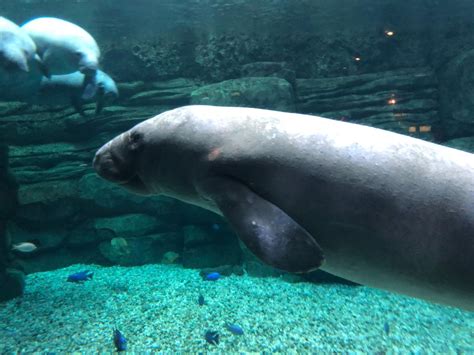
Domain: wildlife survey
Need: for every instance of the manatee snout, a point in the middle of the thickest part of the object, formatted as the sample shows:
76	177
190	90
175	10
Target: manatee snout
118	160
107	164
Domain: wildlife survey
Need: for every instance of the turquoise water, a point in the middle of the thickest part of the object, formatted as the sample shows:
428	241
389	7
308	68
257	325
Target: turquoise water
404	67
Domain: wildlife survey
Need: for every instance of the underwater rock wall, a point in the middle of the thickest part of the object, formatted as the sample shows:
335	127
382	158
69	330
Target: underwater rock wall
457	96
215	57
404	101
150	40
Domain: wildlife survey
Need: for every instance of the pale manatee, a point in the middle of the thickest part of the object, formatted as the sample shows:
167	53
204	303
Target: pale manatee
17	49
375	207
65	48
20	66
68	89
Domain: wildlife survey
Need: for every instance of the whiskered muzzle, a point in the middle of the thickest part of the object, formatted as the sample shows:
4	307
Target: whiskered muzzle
115	161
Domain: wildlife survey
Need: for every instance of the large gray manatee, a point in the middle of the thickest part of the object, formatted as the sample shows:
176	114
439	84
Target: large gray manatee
375	207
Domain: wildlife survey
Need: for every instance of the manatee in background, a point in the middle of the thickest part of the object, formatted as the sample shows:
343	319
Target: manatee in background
375	207
17	49
65	48
69	89
20	67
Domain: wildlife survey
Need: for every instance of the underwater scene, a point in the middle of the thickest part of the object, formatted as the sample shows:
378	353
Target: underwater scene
237	176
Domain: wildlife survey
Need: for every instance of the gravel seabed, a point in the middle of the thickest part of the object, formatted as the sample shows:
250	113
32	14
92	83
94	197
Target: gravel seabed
155	307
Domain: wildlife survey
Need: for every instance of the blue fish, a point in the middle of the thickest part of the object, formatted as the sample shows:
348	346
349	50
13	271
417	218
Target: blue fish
235	329
80	276
386	328
212	276
201	300
119	340
212	337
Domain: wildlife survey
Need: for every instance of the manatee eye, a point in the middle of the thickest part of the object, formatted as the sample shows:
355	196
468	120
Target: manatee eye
135	140
78	54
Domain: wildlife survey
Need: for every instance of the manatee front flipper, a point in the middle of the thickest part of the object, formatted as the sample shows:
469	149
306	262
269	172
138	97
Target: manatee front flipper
265	229
89	87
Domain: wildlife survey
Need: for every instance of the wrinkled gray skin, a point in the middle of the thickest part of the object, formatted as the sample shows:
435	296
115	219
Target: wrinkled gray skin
379	208
17	49
69	89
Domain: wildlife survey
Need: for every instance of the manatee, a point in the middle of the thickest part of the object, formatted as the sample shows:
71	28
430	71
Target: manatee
20	66
303	192
68	89
17	49
63	46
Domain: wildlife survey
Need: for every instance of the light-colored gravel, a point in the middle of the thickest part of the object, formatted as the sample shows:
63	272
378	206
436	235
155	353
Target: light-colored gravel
155	307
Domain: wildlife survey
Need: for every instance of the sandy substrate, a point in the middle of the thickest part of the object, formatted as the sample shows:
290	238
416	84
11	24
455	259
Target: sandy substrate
156	308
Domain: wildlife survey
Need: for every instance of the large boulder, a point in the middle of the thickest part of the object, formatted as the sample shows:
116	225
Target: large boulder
262	92
47	201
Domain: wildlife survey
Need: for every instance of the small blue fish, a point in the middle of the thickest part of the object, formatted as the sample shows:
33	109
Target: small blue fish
119	340
80	276
201	300
235	329
212	276
386	328
212	337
